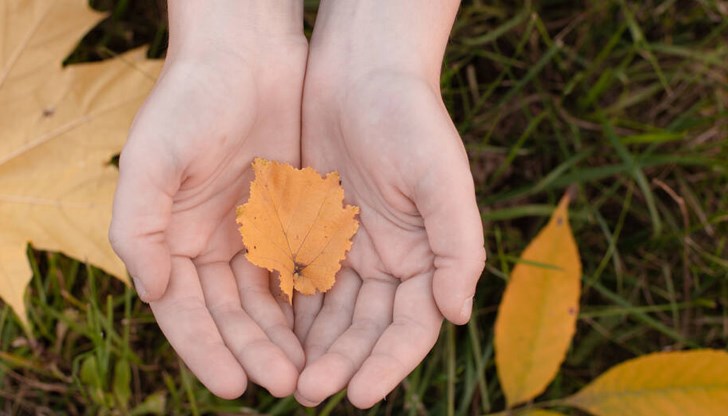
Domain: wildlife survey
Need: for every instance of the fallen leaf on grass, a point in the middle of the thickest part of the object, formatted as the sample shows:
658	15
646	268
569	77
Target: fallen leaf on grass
527	412
60	129
537	316
294	223
539	412
678	383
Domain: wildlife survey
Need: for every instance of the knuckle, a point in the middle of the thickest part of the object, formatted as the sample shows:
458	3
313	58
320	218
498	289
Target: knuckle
481	259
118	239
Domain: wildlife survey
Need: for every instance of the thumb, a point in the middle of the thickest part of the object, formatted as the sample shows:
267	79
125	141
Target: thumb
445	198
141	213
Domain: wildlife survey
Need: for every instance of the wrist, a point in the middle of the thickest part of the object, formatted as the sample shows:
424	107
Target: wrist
199	28
398	36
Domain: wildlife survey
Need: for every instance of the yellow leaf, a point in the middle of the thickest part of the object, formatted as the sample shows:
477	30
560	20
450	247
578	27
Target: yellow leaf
60	128
539	412
680	383
294	223
537	316
527	412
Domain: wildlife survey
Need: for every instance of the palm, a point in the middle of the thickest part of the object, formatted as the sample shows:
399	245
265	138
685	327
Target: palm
189	155
401	161
216	144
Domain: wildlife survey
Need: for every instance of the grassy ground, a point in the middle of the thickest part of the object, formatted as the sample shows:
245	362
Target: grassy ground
626	100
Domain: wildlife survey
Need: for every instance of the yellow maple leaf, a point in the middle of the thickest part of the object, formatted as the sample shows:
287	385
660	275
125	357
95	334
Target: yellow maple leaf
537	316
294	223
60	129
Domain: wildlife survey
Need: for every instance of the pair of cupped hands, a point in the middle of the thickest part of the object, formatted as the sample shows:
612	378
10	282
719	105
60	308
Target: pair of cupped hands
187	165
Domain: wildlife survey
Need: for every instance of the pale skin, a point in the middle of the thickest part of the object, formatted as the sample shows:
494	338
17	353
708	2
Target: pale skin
370	108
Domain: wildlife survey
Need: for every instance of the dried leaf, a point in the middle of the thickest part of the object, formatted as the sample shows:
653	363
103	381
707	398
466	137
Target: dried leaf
537	315
527	412
60	129
294	223
539	412
667	383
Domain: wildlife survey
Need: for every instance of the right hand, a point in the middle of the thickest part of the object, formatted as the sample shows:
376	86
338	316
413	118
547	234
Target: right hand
186	166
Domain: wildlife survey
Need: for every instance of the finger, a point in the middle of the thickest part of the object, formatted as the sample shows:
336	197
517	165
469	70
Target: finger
258	302
333	370
263	361
335	315
141	212
274	286
445	198
403	345
305	309
186	322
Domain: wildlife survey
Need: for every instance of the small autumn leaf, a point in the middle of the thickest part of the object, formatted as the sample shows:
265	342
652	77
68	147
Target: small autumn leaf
537	316
60	128
294	223
682	383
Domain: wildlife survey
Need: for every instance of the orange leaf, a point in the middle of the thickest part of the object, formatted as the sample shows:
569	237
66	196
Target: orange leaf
537	316
294	223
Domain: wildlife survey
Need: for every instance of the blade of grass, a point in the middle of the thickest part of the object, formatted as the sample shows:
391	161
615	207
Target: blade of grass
499	31
601	312
637	175
643	317
513	151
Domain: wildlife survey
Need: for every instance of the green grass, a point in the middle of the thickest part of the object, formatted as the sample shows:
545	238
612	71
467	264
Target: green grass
626	100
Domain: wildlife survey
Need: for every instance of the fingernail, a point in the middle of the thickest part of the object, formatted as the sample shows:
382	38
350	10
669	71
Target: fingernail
467	308
139	288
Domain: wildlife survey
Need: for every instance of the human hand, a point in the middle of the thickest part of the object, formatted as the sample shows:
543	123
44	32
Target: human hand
372	110
230	90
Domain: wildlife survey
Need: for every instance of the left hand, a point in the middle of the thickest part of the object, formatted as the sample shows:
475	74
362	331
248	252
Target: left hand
419	250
